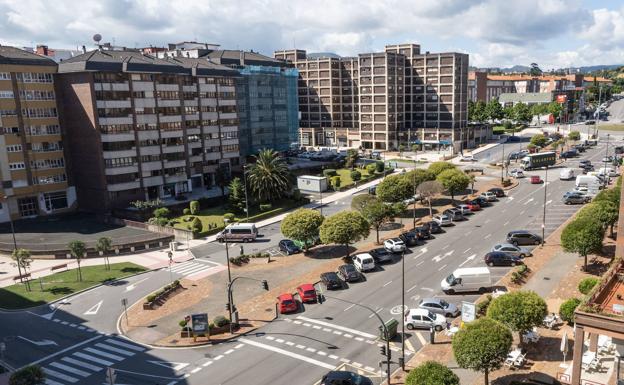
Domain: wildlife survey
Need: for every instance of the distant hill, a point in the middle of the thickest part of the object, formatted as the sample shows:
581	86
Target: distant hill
583	70
316	55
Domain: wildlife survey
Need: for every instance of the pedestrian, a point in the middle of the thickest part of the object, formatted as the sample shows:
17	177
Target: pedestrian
242	251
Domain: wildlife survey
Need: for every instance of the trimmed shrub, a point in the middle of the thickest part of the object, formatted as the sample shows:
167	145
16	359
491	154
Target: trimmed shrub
194	206
566	310
229	217
483	305
162	212
220	321
431	373
151	298
587	284
506	182
196	225
265	207
186	211
335	182
329	172
182	324
379	166
371	168
356	175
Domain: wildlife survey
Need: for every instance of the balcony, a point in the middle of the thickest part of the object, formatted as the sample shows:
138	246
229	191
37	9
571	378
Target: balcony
121	170
124	186
113	103
117	120
117	137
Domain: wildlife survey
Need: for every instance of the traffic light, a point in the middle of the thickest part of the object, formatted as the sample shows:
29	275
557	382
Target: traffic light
265	285
227	306
382	350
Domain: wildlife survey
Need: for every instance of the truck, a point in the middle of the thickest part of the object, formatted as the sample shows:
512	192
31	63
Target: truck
467	279
539	160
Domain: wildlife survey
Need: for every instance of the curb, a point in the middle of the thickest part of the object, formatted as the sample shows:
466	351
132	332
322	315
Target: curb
84	290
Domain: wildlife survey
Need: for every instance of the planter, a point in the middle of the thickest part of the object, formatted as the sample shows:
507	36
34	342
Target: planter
161	296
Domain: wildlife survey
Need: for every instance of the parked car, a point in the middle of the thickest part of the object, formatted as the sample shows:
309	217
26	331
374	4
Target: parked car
473	205
339	377
499	192
523	237
568	154
535	179
439	306
483	202
349	273
580	148
410	238
286	303
382	255
289	247
489	196
467	158
442	220
395	245
364	262
307	293
516	251
423	232
516	173
455	214
423	318
433	227
607	159
570	198
331	280
495	258
585	161
464	209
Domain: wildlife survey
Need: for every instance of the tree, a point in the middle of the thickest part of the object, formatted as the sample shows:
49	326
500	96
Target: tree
401	149
555	109
414	148
479	113
567	308
104	246
22	260
605	211
377	213
29	375
371	168
454	181
539	110
437	167
356	175
418	176
431	373
574	135
522	112
351	158
344	228
360	200
222	178
429	190
78	249
519	310
196	226
508	112
611	195
162	212
303	225
482	345
494	110
335	182
236	198
583	236
394	188
269	177
534	70
380	166
471	111
538	140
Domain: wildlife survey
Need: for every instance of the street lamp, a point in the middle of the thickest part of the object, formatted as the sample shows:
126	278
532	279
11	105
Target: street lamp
231	306
246	195
503	162
6	199
414	204
605	161
544	208
227	258
402	310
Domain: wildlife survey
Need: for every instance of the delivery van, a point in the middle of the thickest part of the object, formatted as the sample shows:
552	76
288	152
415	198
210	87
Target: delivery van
235	232
587	181
566	174
468	279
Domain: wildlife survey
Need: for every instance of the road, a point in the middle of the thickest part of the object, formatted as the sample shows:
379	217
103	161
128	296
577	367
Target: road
76	341
616	111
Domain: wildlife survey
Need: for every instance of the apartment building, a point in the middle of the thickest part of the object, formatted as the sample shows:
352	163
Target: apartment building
266	94
32	162
139	128
381	100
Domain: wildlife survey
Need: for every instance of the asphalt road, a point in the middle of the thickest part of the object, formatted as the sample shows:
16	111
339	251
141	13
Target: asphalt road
296	349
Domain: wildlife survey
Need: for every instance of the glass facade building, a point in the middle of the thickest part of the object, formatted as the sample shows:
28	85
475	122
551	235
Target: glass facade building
268	108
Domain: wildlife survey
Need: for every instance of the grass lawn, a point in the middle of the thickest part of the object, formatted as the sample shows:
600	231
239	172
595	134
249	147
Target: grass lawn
610	127
345	175
61	284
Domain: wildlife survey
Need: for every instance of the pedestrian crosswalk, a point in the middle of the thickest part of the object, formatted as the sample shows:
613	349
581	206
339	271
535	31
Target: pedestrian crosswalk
77	366
193	267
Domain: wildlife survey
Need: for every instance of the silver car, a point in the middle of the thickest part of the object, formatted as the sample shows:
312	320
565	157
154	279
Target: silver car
509	249
442	220
464	209
439	306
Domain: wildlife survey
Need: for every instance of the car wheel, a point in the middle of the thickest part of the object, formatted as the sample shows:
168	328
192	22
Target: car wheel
448	315
450	291
438	328
537	243
481	290
513	263
409	326
490	264
522	255
515	243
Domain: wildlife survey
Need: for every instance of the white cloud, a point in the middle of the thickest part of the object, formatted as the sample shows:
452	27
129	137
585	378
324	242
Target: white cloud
493	32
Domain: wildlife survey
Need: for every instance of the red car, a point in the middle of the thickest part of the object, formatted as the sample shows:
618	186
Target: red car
535	179
307	293
473	206
287	303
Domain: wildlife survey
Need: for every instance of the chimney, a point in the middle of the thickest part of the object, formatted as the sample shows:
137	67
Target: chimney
42	50
242	57
84	49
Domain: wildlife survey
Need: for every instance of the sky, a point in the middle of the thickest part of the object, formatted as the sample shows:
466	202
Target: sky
495	33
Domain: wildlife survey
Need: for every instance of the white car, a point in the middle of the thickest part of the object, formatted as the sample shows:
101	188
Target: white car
465	209
489	196
516	251
394	245
442	220
424	319
517	173
364	262
467	158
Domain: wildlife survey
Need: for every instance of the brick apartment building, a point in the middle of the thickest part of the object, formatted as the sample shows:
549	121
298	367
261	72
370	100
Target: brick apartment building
32	162
378	101
138	127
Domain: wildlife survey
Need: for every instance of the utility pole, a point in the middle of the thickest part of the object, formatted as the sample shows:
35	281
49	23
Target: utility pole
414	204
503	163
605	161
246	195
402	310
544	213
229	299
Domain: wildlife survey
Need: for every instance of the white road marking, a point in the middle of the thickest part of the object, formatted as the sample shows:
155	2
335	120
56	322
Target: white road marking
426	289
94	309
338	327
59	375
467	250
93	359
134	285
229	351
125	345
337	332
420	263
333	357
445	247
105	354
411	288
195	370
82	364
348	307
387	283
65	350
321	353
487	236
217	358
70	369
287	353
549	202
506	223
443	266
207	363
420	338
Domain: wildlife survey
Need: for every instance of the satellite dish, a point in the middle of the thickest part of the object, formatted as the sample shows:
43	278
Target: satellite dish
97	37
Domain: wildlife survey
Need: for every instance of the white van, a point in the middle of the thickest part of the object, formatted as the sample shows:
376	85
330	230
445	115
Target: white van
587	180
467	279
245	232
364	262
566	174
608	171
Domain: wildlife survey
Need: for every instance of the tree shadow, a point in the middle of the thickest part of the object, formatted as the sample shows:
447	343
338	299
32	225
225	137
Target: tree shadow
391	226
62	290
132	270
441	202
329	251
525	378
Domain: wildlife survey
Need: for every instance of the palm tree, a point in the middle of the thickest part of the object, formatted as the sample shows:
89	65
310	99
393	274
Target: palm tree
269	177
22	261
29	375
78	250
104	246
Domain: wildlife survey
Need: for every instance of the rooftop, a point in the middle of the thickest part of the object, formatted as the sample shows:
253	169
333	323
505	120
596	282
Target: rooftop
16	56
529	97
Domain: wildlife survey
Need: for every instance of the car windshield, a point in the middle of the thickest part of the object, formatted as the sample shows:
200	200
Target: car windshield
309	293
356	379
287	302
450	279
431	315
444	303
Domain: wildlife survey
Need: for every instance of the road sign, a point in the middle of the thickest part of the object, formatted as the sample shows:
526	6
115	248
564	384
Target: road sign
124	302
111	376
468	311
200	324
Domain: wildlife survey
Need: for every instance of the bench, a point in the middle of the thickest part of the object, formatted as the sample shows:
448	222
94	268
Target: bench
57	267
20	277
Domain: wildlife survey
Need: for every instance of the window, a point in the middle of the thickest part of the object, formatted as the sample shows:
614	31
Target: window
39	112
28	206
49	129
44	164
6	94
120	162
34	77
7	113
49	179
17	166
10	130
5	76
55	200
14	148
36	95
